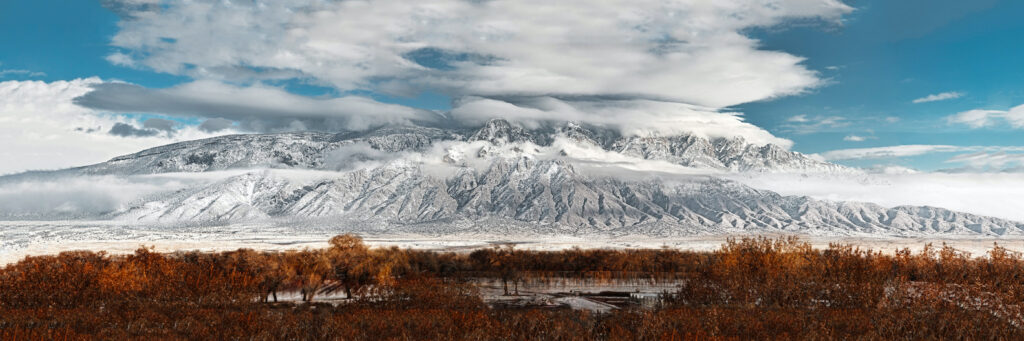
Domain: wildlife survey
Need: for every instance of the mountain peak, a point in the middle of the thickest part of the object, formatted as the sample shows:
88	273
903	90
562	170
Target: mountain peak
500	131
392	175
543	196
311	150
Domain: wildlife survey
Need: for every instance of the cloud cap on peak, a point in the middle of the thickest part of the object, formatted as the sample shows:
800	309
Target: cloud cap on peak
630	117
639	65
42	128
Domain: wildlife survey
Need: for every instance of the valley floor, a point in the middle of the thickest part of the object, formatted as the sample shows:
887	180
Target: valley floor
28	238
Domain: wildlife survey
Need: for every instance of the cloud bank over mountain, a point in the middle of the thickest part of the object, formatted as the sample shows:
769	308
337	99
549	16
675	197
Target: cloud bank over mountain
572	180
256	108
684	51
640	66
41	127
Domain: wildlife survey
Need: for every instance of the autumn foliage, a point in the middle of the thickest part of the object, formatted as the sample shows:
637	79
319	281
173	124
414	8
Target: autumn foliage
749	289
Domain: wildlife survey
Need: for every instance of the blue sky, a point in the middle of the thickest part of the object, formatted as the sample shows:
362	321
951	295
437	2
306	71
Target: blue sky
874	65
892	52
65	40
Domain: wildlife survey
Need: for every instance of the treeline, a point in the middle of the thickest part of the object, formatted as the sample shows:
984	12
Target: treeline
750	288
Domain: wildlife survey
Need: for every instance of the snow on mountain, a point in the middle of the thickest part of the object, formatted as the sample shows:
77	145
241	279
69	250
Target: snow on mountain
564	179
549	195
304	150
309	150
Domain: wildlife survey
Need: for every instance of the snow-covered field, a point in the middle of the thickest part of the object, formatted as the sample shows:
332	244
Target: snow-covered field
22	238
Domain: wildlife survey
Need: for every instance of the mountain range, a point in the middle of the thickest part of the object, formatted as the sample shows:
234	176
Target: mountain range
309	150
561	178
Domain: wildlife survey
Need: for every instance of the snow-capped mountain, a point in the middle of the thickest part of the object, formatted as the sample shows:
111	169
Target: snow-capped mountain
310	150
566	179
303	150
550	195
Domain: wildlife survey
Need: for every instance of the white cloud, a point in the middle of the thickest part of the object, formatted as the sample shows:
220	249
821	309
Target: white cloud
63	195
980	118
989	194
939	97
989	161
76	196
908	150
619	63
357	155
121	59
632	117
40	128
127	8
810	124
691	51
688	51
22	73
891	170
885	152
858	138
257	107
798	119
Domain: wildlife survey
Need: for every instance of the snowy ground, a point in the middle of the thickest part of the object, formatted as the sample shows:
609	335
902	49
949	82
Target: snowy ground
19	239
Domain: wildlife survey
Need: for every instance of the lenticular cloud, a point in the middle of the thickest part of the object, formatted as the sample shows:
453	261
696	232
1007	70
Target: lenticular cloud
689	51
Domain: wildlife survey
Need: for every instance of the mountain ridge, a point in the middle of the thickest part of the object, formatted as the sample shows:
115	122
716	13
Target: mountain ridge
564	178
306	150
551	195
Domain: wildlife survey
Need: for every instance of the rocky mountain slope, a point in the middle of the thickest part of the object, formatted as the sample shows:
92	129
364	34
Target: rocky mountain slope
310	150
551	196
565	179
